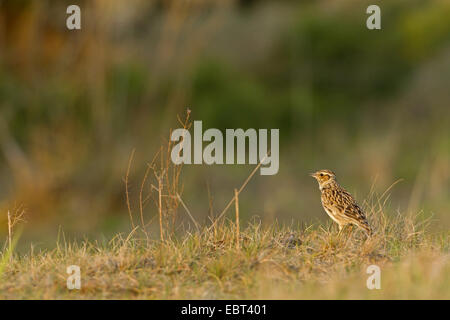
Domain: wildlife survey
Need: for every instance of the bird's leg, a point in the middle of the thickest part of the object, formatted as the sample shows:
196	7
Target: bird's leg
340	230
343	228
351	229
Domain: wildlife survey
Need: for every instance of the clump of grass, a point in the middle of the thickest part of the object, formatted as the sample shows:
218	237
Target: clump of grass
161	186
14	218
272	261
165	189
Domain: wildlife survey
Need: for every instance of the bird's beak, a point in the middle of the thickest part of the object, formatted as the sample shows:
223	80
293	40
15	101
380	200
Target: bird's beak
313	174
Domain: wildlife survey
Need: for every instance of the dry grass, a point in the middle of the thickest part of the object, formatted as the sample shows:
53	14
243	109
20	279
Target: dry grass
271	262
161	185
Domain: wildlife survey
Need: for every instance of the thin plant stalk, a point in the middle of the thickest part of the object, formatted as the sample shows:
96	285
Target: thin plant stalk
236	202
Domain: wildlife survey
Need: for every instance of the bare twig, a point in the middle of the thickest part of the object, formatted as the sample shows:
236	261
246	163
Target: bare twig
9	231
239	191
14	218
126	189
163	179
188	212
141	206
236	202
161	230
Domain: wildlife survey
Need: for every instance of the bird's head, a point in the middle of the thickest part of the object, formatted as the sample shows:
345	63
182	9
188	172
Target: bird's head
323	177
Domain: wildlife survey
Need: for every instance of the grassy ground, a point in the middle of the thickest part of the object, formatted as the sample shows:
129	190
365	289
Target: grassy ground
270	263
224	261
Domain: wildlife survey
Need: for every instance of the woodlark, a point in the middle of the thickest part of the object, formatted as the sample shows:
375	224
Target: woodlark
338	203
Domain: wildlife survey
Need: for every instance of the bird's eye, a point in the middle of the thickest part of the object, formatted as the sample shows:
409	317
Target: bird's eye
321	174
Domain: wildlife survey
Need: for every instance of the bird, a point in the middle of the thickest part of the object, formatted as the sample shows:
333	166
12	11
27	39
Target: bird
339	204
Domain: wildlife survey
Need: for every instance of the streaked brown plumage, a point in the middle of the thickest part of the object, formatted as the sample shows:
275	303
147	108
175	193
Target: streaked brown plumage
338	203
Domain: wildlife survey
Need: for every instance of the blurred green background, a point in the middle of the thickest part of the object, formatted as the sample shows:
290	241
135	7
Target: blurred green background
373	106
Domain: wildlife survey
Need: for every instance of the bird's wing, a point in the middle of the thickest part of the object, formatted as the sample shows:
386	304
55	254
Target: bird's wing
350	208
